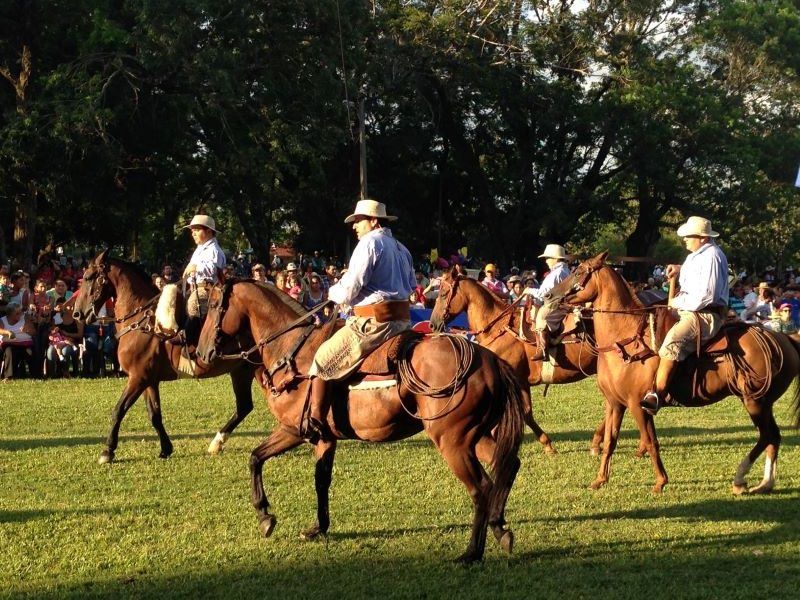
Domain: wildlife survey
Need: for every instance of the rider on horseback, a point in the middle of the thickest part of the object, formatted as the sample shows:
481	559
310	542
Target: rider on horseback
548	317
701	304
201	274
378	283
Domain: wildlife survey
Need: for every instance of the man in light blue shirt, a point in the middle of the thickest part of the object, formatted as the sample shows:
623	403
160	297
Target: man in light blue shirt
701	304
201	273
549	316
377	284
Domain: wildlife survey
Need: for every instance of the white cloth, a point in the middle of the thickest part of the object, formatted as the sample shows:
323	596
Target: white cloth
556	275
16	329
703	279
208	257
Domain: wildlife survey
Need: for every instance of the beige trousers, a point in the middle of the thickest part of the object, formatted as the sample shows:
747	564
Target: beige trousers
681	340
197	304
343	352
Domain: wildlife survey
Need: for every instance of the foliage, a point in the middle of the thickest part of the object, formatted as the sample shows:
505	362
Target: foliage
184	527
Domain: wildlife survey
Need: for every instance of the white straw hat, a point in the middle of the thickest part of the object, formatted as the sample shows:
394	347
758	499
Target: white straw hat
202	221
696	226
553	251
370	208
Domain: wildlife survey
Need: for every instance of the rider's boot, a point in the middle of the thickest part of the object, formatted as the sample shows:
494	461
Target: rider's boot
659	397
315	426
543	336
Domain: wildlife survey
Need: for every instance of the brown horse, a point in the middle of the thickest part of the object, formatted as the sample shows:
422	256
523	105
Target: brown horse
459	421
758	367
497	327
143	355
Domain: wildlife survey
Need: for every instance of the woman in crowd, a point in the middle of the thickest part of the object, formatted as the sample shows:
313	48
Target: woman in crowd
65	338
16	342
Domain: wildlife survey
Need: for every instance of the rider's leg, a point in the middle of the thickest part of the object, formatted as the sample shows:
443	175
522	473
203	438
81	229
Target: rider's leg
543	340
656	398
315	425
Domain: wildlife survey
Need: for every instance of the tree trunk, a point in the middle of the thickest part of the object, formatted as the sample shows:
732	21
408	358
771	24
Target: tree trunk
25	226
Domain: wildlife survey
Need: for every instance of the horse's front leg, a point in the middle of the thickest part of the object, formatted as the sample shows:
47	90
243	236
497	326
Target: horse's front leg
538	432
242	380
648	438
277	443
323	473
154	411
130	394
613	420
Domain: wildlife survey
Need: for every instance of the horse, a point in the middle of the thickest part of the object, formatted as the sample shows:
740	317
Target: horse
497	326
757	366
144	355
459	403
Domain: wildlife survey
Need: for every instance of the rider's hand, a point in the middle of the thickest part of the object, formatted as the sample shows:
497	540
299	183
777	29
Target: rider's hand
673	271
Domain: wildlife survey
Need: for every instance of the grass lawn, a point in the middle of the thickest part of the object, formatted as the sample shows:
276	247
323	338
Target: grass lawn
184	527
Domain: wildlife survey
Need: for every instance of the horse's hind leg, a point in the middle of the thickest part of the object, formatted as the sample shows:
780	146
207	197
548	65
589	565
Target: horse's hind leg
541	436
465	465
499	495
242	380
129	395
323	473
277	443
154	411
769	439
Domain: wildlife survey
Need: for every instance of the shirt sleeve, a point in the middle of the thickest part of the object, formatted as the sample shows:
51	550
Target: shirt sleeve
698	286
358	273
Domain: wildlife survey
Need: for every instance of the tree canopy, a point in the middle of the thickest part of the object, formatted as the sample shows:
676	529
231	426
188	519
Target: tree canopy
499	125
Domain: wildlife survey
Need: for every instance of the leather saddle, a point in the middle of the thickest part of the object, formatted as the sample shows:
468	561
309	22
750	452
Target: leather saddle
723	342
383	360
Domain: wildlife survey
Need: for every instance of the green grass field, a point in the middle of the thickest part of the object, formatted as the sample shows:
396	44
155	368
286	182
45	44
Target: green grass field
184	527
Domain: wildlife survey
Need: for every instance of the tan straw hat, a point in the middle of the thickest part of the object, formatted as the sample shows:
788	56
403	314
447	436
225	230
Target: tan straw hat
696	226
370	208
202	221
553	251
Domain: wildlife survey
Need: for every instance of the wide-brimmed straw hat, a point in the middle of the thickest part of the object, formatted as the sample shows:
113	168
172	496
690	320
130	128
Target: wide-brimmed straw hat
553	251
370	208
697	226
202	221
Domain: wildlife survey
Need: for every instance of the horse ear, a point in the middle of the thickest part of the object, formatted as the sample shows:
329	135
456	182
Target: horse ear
599	260
101	258
453	272
220	276
602	256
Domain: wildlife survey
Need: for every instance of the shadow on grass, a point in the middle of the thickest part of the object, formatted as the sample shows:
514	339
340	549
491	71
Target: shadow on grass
17	444
23	516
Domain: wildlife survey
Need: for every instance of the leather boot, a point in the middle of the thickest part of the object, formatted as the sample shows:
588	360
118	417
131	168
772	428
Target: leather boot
544	342
315	426
659	397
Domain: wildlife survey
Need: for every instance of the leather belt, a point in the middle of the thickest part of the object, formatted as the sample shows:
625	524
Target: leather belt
395	310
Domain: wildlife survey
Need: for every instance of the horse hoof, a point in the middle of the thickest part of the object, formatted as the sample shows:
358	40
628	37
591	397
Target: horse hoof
468	558
640	453
659	487
165	453
739	489
106	457
217	445
597	484
267	525
507	542
594	451
761	488
312	533
550	451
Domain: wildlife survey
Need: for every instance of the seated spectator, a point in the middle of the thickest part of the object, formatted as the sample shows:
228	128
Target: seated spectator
67	273
168	275
65	337
19	292
763	307
16	342
530	283
228	272
294	287
280	281
736	298
5	290
159	282
259	273
516	289
100	343
59	290
781	320
494	284
315	294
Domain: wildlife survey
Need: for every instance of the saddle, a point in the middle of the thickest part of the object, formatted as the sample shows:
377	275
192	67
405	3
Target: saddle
722	343
383	360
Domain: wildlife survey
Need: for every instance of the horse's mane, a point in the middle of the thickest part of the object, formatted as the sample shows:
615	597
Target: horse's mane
293	304
484	288
137	269
631	289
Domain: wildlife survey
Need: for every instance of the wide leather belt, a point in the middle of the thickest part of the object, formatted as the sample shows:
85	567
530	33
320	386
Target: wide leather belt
396	310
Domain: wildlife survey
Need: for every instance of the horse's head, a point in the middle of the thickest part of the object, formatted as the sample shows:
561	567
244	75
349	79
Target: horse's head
582	285
222	320
449	303
95	289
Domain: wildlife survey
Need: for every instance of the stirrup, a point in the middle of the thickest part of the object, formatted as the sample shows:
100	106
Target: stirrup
651	403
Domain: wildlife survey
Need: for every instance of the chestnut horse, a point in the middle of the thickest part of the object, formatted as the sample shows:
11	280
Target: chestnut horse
482	395
758	367
143	355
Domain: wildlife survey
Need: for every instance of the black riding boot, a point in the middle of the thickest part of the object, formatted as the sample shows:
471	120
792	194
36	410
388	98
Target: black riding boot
315	425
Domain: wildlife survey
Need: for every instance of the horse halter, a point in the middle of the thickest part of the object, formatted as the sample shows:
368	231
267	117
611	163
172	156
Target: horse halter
577	282
448	296
97	285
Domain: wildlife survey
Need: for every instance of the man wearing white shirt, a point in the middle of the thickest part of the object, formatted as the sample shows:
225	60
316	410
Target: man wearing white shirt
201	273
377	284
701	302
548	317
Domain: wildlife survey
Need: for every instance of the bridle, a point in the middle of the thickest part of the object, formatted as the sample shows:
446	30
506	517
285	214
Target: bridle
451	292
448	296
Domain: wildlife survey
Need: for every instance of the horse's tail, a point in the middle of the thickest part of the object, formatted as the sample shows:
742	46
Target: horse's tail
509	431
795	339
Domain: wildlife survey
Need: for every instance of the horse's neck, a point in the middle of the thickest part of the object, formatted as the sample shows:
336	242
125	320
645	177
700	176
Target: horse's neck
130	292
482	306
267	315
616	297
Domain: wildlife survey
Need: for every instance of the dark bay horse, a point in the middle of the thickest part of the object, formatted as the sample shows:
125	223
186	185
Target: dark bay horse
144	356
758	367
459	421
